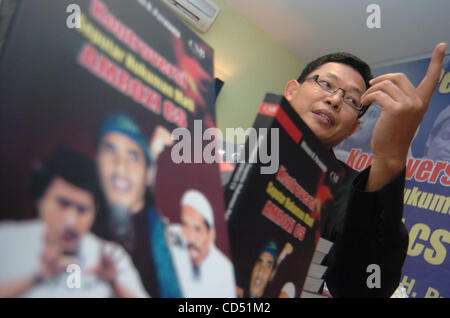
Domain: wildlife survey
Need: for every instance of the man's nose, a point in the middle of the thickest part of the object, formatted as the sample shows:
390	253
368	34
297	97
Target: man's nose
259	269
335	99
121	164
71	215
188	234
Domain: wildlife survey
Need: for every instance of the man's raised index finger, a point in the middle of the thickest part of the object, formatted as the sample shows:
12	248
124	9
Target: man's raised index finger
431	79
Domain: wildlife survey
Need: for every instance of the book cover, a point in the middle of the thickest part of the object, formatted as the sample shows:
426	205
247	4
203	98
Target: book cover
110	80
274	207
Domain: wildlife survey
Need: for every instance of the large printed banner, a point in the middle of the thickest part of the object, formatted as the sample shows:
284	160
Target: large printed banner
88	182
426	272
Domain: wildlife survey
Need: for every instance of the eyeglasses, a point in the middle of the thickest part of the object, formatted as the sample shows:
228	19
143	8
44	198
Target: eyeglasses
332	88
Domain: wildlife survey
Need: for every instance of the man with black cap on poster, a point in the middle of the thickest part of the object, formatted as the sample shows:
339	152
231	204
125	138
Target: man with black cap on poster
126	169
37	255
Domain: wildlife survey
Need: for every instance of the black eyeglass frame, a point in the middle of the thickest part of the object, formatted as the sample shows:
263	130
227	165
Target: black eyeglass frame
361	109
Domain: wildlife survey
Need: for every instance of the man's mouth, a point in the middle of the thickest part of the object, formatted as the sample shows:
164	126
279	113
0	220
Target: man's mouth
257	282
120	184
193	248
193	251
325	116
69	236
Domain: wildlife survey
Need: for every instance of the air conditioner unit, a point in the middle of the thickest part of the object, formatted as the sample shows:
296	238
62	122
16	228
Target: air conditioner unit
199	13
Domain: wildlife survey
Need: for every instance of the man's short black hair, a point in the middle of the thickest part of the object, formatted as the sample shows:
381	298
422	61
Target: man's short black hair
70	165
340	57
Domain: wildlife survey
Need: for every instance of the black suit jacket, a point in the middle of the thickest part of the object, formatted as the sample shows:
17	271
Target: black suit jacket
366	228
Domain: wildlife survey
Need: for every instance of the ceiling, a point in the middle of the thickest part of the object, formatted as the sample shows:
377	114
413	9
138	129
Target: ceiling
309	28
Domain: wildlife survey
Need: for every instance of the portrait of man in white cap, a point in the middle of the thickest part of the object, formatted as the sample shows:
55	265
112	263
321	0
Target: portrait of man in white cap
203	270
437	146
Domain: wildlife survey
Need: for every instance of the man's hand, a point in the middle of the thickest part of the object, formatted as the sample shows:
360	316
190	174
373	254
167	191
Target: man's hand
161	138
52	262
403	107
106	268
287	249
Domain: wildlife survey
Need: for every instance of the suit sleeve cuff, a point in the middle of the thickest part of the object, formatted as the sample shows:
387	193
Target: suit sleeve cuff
378	210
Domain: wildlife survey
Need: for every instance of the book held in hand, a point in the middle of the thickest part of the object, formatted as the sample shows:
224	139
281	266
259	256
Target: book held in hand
275	208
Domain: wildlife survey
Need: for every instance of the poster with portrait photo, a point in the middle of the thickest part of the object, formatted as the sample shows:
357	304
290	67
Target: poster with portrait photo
112	89
274	219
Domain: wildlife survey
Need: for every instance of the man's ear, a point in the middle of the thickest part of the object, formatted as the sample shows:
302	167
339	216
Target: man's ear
354	128
212	234
151	175
290	89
